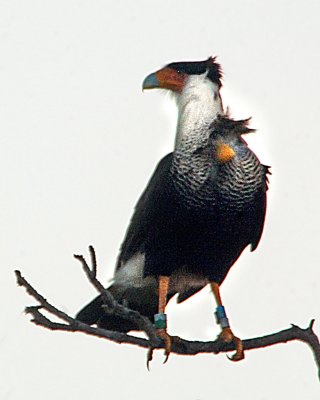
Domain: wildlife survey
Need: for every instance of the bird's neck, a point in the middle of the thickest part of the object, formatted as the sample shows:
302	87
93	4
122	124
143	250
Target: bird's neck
198	105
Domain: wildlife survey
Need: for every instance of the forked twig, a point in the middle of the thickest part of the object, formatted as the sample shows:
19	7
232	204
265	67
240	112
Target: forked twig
182	346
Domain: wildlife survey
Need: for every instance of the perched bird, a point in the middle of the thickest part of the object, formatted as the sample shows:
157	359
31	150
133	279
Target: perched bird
204	204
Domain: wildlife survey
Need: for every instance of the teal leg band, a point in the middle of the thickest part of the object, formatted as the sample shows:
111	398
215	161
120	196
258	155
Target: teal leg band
221	317
160	321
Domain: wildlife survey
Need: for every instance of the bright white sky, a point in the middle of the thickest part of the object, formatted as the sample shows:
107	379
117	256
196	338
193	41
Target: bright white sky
78	142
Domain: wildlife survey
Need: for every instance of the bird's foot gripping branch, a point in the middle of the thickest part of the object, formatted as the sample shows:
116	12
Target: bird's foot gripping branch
181	346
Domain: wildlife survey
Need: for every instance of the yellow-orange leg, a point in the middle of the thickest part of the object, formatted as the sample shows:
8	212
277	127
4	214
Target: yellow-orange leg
163	292
162	332
226	334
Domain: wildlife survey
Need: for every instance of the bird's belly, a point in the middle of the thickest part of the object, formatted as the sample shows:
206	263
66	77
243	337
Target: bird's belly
131	274
201	247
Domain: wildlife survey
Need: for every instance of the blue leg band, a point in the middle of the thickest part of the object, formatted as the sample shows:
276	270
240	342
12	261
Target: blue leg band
160	321
221	317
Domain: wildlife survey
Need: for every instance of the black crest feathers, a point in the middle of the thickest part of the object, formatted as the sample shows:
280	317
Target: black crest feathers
213	69
225	125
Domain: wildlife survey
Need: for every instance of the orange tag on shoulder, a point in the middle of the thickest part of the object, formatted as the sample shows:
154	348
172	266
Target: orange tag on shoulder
224	152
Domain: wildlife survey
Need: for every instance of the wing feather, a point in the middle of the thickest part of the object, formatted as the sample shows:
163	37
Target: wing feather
261	202
146	211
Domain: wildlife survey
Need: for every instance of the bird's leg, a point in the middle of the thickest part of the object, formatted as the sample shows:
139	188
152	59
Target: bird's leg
226	334
160	319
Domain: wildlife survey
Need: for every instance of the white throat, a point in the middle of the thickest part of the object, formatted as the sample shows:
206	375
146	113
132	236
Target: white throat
198	105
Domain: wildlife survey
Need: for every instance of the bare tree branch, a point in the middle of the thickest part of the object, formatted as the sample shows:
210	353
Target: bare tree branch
181	346
110	304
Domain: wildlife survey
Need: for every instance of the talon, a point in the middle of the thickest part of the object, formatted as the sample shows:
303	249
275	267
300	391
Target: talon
227	336
149	357
168	340
239	354
162	333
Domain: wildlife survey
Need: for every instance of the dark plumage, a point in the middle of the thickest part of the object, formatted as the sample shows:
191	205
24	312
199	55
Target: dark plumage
213	69
203	230
203	206
192	222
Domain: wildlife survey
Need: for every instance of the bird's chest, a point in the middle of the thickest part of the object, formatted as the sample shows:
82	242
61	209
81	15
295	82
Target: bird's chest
202	185
192	185
237	185
218	212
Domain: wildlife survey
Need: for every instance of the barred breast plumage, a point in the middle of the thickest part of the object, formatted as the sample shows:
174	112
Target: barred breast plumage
202	181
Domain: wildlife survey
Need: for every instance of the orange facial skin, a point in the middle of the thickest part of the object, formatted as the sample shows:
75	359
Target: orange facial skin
171	79
165	78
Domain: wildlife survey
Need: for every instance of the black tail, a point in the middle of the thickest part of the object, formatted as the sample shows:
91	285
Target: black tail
144	300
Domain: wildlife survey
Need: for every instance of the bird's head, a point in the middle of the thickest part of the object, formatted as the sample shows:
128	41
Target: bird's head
174	76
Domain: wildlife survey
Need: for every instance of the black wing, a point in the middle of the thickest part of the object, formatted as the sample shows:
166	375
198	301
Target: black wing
146	211
261	201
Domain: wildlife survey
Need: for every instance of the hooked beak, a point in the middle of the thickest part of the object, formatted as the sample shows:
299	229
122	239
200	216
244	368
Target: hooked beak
165	78
150	82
